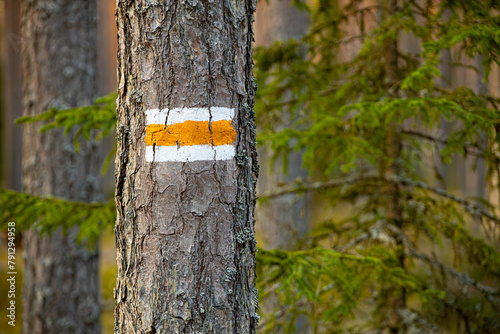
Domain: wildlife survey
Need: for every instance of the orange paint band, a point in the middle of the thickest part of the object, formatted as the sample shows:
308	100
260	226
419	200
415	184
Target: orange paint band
189	133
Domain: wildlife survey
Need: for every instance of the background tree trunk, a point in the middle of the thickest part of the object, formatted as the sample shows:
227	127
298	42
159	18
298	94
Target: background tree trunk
283	220
184	232
61	282
277	20
12	90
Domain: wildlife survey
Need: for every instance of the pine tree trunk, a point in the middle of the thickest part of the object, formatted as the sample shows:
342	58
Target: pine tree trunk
61	277
186	168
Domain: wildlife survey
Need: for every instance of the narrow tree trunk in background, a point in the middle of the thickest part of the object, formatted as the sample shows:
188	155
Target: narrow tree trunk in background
106	44
283	220
478	182
12	90
461	177
184	232
444	169
61	282
396	299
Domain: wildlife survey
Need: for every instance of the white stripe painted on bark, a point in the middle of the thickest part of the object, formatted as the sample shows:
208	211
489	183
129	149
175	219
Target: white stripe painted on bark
189	153
179	115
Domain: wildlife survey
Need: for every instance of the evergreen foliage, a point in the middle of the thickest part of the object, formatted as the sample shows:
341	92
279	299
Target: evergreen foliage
97	119
94	121
369	124
47	214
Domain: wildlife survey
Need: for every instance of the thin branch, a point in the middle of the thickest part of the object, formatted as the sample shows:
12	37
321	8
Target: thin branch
354	242
470	207
298	186
372	231
462	277
468	147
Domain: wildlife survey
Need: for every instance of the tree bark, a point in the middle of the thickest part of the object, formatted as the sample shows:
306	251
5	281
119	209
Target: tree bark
184	231
61	277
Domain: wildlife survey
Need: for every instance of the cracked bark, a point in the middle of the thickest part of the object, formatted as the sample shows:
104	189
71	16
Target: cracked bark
184	231
61	278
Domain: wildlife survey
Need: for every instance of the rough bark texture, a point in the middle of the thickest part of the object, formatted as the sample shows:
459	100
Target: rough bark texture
184	232
281	221
61	281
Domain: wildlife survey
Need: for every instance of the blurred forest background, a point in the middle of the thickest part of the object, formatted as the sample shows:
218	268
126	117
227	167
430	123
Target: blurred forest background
378	129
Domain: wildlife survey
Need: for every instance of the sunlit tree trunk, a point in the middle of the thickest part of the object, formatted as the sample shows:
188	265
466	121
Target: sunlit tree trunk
280	221
106	44
186	168
61	281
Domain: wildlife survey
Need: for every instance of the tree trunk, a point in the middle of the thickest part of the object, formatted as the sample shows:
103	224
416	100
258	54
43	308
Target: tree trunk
12	90
61	281
107	46
281	221
186	168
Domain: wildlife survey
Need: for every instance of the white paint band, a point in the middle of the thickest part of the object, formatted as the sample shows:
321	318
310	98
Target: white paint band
179	115
189	153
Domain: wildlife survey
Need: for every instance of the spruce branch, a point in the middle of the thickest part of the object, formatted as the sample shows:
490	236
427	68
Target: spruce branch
98	118
48	214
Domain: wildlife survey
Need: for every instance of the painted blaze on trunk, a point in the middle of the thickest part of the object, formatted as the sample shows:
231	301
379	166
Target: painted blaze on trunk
186	168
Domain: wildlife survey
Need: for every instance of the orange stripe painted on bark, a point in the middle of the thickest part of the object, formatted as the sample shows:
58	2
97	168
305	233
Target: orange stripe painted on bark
191	133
